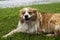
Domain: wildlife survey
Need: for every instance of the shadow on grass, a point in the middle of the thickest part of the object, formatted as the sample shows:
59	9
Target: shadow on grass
24	36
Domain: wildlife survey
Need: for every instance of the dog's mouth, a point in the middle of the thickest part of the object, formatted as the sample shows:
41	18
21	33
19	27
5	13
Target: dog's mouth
27	19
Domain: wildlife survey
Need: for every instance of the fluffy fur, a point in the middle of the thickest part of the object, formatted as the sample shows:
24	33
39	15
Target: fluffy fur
37	23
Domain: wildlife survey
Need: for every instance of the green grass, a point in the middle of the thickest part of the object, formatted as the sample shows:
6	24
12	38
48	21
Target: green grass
9	19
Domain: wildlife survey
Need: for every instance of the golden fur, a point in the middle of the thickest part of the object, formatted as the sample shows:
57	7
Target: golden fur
48	23
51	23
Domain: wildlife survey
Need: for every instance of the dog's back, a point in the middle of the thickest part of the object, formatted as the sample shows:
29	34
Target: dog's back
51	22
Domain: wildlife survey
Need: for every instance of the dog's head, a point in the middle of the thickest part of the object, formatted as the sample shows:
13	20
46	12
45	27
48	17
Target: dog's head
28	14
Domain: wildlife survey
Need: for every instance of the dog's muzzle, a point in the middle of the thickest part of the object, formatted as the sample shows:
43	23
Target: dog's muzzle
27	19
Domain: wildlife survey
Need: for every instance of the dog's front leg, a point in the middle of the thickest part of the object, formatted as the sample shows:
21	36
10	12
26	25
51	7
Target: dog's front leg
12	32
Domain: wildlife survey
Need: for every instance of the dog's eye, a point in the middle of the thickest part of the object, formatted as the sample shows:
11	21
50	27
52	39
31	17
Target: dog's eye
23	13
30	12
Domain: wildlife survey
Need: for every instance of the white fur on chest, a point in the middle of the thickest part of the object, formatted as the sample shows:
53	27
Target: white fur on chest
31	28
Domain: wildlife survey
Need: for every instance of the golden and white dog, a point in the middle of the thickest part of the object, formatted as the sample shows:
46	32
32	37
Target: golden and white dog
31	21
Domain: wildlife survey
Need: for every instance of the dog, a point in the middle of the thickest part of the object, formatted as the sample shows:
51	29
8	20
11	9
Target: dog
28	22
31	21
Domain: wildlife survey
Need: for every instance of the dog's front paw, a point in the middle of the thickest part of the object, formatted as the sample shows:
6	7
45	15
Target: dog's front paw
5	36
50	35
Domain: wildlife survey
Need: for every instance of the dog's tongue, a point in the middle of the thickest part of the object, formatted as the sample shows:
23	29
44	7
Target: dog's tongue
27	20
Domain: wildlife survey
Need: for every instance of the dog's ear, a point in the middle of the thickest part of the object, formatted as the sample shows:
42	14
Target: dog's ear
20	16
35	10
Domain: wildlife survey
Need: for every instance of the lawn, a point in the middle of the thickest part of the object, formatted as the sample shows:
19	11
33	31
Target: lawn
9	19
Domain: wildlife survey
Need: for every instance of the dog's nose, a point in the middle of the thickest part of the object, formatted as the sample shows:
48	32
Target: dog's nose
26	16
